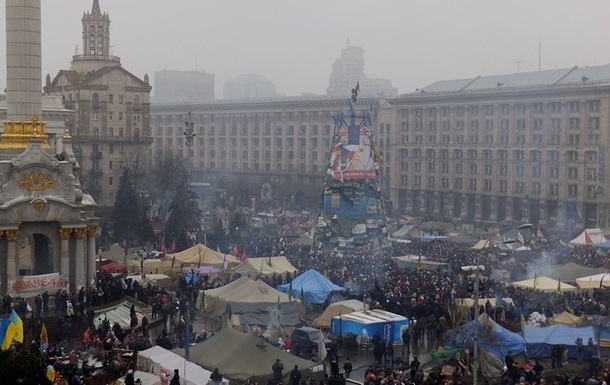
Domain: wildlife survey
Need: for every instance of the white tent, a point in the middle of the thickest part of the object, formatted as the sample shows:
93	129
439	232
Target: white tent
156	358
594	281
145	378
545	284
589	237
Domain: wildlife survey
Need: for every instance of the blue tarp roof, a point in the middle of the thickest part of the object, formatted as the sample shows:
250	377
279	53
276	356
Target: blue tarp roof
604	244
314	285
539	340
499	342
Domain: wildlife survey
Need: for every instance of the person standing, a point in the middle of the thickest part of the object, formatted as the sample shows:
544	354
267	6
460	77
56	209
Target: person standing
176	379
38	305
414	366
580	349
389	353
129	380
406	341
295	376
277	371
45	302
347	367
216	377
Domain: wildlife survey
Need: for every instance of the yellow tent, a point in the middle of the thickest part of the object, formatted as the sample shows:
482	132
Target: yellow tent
568	319
252	267
204	255
545	284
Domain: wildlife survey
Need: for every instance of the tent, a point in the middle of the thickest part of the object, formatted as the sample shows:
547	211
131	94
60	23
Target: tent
365	324
567	319
253	267
594	281
540	340
405	232
303	240
114	252
144	377
159	280
156	358
153	265
420	262
241	356
545	284
432	237
461	236
589	237
570	271
113	267
494	343
313	285
200	254
337	309
605	245
255	302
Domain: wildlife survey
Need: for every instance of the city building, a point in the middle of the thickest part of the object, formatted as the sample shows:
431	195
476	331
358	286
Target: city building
183	86
47	223
248	87
529	147
112	109
348	70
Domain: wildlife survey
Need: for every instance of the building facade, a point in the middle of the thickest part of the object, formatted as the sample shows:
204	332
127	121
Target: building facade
183	86
112	109
518	147
248	87
529	147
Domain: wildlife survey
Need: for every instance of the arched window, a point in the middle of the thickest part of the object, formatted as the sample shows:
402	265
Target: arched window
96	132
120	131
136	134
95	101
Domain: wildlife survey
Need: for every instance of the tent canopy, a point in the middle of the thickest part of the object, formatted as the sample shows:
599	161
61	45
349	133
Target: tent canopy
114	267
570	271
540	340
240	356
255	300
255	266
114	252
313	285
595	281
207	256
405	232
545	284
154	359
568	319
589	237
337	309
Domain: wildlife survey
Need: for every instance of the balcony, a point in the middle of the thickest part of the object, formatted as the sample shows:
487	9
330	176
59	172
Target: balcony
114	59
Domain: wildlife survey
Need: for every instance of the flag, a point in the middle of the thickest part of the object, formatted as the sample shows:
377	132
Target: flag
559	285
5	322
19	326
225	264
173	248
520	238
243	255
449	310
218	246
44	338
290	291
321	348
173	261
235	251
522	321
491	242
535	281
539	234
600	252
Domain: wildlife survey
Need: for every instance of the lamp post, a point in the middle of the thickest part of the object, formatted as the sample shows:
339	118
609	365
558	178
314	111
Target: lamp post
189	134
477	268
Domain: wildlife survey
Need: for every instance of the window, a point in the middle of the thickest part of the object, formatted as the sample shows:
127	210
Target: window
554	173
487	185
96	132
591	191
121	132
503	170
574	106
591	174
487	170
572	190
538	123
110	98
572	173
111	131
537	108
520	108
536	172
593	105
95	101
555	107
95	117
573	139
120	99
459	125
593	123
110	116
136	102
489	110
459	111
110	180
120	116
503	186
489	125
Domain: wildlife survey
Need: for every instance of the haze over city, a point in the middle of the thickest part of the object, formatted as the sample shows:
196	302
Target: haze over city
294	44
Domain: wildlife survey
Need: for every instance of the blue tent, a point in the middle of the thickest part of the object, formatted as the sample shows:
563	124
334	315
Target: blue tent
605	245
540	340
499	341
314	286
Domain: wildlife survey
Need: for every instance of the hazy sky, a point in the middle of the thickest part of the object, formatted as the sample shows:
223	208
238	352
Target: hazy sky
294	43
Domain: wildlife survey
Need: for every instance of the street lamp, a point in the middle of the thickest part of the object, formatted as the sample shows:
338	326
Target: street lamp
189	134
477	268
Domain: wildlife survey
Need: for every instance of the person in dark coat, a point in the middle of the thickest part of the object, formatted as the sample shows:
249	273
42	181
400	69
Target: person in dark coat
216	377
414	366
176	379
389	354
277	371
347	367
295	376
406	341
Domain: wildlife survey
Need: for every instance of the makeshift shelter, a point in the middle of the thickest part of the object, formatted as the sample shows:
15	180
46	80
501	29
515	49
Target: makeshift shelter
114	252
595	281
240	356
589	237
337	309
155	359
113	267
567	319
545	284
313	285
267	267
570	271
203	255
541	340
153	266
120	313
494	343
254	302
465	304
406	232
159	280
364	324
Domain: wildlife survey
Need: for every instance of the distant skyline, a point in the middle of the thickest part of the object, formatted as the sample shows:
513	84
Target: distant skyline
294	44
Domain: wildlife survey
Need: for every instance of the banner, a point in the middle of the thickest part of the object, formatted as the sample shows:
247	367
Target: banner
37	283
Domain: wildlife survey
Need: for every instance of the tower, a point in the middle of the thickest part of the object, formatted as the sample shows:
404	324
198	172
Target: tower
96	33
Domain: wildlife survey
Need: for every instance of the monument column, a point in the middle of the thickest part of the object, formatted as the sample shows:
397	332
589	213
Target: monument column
64	268
11	255
79	258
91	232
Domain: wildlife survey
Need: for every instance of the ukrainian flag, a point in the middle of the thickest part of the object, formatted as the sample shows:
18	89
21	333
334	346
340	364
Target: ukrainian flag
13	332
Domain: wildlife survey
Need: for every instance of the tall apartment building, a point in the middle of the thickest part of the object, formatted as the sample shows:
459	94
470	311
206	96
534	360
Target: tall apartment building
348	70
528	147
183	86
112	109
